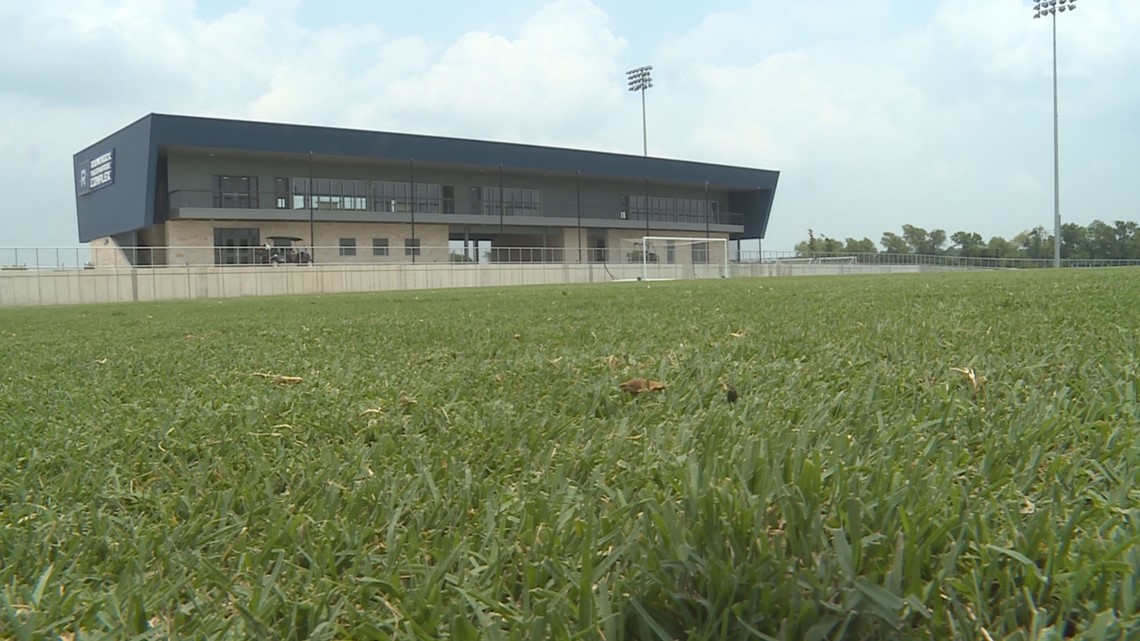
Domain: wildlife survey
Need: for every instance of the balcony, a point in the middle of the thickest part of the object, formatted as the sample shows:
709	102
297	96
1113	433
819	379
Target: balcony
284	202
207	204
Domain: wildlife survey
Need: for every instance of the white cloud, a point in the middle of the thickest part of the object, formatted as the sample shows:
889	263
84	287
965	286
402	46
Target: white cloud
942	122
555	82
939	125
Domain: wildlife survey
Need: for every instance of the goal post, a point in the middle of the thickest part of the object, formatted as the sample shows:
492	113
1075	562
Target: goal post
678	257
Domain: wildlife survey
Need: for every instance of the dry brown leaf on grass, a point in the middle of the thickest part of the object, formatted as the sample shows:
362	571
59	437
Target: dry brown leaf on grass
977	383
280	379
637	386
191	337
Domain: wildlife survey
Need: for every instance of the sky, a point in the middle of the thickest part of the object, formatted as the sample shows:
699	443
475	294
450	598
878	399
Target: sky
880	113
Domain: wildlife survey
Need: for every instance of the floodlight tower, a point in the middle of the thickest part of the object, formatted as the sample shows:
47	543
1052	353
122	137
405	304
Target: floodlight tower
640	80
1051	8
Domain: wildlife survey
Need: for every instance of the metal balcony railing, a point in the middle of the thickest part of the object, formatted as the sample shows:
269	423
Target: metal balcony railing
348	204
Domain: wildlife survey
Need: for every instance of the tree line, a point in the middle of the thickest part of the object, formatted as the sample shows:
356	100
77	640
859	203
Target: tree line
1119	240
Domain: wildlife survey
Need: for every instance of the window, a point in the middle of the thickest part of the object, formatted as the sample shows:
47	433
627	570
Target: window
235	192
700	253
427	198
331	194
336	194
236	246
347	246
475	198
448	203
689	210
300	193
281	192
379	246
636	207
396	197
411	246
671	252
511	201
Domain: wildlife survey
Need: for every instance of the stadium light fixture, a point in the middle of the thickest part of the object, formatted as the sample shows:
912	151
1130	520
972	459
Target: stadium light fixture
640	80
1041	9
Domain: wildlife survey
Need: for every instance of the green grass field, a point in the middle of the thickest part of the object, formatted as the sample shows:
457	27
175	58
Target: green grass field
926	457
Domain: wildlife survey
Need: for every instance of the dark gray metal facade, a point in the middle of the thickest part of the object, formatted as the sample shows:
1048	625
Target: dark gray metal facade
129	203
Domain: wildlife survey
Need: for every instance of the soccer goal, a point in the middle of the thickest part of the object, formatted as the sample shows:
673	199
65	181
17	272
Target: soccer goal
836	260
676	257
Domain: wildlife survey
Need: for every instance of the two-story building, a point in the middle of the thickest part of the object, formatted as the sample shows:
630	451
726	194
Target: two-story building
176	190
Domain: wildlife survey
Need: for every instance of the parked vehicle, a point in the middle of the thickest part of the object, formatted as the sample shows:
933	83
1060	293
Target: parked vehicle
284	249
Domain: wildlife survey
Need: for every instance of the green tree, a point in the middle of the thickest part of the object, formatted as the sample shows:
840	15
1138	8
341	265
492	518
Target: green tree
864	246
1127	239
1035	243
916	238
831	245
1074	241
820	244
893	243
1101	238
937	241
999	247
811	245
967	243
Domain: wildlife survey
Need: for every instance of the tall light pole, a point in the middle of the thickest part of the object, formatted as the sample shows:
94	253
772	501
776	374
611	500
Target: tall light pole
1040	9
640	80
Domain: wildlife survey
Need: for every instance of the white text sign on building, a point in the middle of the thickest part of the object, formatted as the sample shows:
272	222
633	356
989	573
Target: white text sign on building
98	172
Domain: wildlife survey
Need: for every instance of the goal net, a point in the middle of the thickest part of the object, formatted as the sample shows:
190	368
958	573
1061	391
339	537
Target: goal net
674	258
818	260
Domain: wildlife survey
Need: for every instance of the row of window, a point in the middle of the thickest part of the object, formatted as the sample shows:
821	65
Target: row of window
242	192
363	195
431	198
375	195
380	247
672	209
241	245
508	201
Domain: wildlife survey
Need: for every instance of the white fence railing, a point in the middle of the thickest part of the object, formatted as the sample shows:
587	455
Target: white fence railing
99	257
66	277
113	256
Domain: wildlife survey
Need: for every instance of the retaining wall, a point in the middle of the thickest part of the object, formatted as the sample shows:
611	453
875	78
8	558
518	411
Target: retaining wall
68	287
